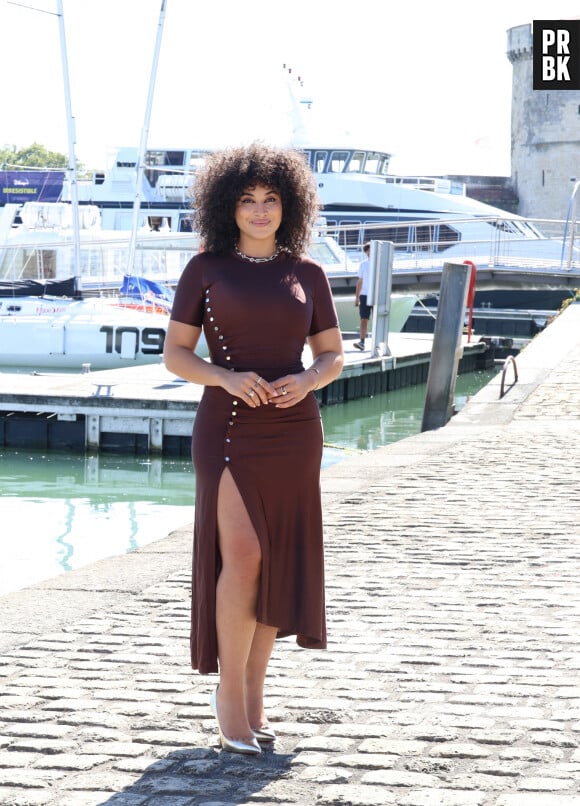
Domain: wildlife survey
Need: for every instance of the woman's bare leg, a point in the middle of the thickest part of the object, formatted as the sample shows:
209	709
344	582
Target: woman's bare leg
256	669
236	594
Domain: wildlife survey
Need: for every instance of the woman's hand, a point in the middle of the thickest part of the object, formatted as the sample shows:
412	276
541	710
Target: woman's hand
291	389
328	356
249	387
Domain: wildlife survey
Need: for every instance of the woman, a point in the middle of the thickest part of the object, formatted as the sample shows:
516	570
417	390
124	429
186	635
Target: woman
257	437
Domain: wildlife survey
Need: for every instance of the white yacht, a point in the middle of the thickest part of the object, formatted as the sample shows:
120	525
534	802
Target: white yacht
354	186
430	220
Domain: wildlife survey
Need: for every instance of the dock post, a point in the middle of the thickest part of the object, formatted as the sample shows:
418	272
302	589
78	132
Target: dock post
380	286
155	435
447	348
92	432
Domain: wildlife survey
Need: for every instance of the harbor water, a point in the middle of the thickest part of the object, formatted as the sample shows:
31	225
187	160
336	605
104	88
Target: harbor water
62	512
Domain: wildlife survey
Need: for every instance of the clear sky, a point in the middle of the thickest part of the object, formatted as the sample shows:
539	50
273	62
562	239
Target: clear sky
427	81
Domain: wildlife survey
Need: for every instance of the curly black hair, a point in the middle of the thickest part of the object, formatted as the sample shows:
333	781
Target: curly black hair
226	174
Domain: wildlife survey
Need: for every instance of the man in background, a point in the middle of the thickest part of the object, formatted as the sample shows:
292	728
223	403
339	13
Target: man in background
360	299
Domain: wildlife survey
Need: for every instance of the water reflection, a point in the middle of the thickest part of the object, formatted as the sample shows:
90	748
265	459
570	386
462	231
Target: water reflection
102	478
66	511
386	418
71	510
370	423
64	548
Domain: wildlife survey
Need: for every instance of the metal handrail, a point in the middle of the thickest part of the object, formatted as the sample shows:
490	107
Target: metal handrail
570	223
509	360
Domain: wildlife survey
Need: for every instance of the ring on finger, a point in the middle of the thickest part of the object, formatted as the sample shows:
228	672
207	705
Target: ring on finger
284	390
258	379
251	393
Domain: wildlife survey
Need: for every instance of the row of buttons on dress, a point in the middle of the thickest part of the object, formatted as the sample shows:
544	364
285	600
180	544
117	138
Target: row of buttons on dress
216	328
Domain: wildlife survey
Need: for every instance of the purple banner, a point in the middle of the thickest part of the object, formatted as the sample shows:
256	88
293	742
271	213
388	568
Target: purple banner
17	187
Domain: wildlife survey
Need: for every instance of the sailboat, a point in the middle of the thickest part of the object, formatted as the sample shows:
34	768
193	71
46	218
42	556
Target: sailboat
72	331
41	327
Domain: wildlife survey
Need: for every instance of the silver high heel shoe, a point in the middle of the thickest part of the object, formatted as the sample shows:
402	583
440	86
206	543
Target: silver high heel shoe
250	748
264	735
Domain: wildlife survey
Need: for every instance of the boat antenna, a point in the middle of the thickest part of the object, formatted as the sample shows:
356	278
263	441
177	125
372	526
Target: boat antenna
143	142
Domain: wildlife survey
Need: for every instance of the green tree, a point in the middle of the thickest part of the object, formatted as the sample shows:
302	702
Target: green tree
33	156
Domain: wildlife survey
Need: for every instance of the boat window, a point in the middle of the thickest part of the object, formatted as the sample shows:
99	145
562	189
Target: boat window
309	154
196	159
446	235
356	163
322	253
320	158
504	225
414	237
377	163
38	263
399	235
424	236
185	223
330	231
350	235
516	227
384	164
154	222
528	229
338	160
156	162
372	163
165	158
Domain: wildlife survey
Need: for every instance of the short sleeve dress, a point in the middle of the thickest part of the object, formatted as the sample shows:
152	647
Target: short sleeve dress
257	316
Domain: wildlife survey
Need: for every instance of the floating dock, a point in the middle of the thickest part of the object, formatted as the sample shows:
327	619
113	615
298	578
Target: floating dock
488	322
147	410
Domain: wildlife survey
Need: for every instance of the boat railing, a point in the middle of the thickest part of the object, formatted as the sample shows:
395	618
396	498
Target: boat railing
433	183
570	227
536	244
507	241
157	256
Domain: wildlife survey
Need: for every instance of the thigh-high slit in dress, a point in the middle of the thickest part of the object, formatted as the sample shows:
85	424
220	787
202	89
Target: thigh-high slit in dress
257	316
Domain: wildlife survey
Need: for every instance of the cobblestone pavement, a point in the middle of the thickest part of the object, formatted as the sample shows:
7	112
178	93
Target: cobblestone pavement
452	676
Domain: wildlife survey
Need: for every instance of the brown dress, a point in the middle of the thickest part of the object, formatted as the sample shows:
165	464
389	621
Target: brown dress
256	316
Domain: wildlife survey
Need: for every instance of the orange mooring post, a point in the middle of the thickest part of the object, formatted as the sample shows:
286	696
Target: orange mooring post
470	296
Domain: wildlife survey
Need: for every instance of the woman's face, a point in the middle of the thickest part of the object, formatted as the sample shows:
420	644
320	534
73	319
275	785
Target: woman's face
259	213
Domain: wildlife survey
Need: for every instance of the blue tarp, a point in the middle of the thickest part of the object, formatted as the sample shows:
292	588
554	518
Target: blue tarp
147	290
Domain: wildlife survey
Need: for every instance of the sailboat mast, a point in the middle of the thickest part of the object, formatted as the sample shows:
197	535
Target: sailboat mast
72	161
297	104
143	142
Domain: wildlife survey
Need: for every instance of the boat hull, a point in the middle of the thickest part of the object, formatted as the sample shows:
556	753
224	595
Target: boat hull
95	334
349	318
88	333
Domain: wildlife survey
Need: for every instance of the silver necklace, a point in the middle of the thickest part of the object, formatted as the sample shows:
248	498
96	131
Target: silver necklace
256	259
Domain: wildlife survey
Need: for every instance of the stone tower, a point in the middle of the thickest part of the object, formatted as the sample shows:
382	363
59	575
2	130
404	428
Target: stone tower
545	136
